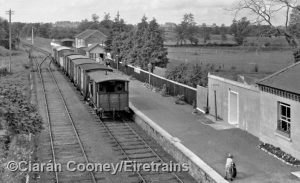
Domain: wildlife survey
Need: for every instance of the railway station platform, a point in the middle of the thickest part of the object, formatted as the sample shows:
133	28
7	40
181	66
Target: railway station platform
211	140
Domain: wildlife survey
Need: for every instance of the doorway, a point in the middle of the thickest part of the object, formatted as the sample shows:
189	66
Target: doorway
233	110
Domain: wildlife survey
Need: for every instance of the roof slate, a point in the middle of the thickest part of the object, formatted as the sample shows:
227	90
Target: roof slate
87	33
286	79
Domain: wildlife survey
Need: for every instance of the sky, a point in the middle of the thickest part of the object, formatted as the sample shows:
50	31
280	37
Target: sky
205	11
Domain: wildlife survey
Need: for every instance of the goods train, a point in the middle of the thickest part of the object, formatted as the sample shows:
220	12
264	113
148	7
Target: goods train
105	90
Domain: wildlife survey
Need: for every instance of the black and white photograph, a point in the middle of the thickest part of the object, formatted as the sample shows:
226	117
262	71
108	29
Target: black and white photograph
158	91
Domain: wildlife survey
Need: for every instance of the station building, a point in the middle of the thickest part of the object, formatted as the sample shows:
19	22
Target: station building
89	37
268	108
280	109
235	102
96	51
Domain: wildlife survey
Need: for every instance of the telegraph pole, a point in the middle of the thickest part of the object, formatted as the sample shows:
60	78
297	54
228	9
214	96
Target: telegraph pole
32	36
9	12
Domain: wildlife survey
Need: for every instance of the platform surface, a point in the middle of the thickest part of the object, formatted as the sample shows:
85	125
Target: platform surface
209	140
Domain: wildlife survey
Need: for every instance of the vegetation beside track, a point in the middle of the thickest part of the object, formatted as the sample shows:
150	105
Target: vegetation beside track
19	119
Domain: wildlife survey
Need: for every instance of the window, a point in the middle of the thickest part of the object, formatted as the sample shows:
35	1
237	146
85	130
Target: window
284	118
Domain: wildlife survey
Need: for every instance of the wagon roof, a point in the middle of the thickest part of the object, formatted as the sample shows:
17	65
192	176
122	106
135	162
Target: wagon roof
62	48
101	76
83	61
76	56
94	66
284	79
70	53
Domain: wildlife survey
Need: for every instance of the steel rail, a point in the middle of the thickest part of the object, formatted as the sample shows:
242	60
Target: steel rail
48	116
66	108
148	146
71	120
116	140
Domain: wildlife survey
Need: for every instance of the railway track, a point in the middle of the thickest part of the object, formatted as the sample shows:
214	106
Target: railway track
137	149
65	142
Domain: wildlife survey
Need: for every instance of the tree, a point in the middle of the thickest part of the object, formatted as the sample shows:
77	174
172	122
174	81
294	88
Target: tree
190	74
95	18
294	22
4	33
187	30
223	32
205	32
240	30
138	43
45	30
264	11
153	49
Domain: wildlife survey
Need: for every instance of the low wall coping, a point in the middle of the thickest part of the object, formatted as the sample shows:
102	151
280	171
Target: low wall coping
186	86
177	143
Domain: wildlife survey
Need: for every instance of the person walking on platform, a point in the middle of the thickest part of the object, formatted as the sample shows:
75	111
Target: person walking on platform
229	168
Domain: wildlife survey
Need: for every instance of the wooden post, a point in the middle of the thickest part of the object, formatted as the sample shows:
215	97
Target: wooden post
216	112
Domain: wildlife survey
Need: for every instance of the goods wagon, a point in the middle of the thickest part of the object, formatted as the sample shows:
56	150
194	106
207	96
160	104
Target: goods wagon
58	54
108	92
68	62
75	70
85	79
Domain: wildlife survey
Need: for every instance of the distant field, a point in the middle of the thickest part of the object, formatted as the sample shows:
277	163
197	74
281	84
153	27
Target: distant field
41	42
231	58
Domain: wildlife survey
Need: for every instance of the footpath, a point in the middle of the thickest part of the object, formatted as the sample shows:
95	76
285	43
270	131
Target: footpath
211	141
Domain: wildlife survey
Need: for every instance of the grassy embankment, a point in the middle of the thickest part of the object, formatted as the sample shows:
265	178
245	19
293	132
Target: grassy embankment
15	95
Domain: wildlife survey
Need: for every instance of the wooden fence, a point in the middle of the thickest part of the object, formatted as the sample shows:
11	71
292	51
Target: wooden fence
173	88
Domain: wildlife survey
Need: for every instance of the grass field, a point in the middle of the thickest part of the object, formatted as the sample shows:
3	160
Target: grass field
231	58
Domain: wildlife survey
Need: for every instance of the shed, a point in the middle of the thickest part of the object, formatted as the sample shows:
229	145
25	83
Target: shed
96	51
67	42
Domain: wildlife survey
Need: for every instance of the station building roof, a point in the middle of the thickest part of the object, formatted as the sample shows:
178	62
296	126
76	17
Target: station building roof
87	33
286	79
101	76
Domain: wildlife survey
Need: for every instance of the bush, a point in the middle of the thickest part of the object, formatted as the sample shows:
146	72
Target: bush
17	114
190	74
267	44
180	100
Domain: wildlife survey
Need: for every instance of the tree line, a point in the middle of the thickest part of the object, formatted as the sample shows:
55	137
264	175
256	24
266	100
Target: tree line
139	45
188	32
